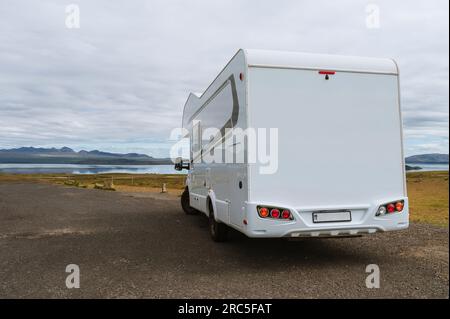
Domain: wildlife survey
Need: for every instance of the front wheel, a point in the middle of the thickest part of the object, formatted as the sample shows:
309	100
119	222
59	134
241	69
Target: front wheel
218	231
185	203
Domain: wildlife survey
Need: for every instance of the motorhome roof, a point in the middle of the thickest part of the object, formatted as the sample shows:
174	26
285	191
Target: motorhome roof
298	60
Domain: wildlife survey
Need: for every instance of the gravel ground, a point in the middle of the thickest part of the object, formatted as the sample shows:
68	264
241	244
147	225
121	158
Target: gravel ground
134	245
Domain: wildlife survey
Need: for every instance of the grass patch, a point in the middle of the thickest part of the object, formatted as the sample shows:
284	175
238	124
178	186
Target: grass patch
428	197
172	181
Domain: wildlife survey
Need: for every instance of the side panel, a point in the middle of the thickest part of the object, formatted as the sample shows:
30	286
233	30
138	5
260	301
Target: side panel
221	179
339	139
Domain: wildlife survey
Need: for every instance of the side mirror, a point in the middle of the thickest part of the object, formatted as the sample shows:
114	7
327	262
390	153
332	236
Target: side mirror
181	164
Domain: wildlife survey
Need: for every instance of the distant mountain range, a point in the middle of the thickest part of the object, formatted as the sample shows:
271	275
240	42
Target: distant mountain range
428	159
67	155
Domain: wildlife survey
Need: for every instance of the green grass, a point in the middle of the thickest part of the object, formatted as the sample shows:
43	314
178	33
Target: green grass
428	197
172	181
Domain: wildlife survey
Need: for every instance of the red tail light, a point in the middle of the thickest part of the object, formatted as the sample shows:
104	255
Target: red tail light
286	214
390	208
394	207
275	213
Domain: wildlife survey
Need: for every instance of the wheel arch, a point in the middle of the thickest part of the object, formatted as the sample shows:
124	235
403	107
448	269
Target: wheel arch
211	199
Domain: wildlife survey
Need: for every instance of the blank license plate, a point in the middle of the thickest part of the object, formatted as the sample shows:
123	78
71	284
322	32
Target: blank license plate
330	217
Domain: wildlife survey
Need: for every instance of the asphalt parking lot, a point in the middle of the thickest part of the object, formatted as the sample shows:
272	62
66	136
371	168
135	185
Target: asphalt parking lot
141	245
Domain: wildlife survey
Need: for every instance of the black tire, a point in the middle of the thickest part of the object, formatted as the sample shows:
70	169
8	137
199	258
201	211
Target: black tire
217	230
185	204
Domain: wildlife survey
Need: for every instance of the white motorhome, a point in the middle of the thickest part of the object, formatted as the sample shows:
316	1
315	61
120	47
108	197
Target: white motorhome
334	130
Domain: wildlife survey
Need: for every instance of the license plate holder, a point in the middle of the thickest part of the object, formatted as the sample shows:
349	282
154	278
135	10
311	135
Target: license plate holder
332	216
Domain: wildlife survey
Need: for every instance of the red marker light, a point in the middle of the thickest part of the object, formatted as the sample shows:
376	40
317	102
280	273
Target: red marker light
327	72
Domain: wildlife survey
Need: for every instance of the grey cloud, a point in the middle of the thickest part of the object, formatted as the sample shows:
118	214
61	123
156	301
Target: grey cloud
121	80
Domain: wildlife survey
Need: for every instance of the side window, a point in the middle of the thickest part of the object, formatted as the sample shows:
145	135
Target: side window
212	119
217	114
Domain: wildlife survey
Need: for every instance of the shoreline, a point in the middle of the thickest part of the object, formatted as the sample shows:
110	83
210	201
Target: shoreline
162	169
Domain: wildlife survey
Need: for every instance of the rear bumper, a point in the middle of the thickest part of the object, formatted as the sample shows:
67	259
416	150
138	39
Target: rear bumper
363	221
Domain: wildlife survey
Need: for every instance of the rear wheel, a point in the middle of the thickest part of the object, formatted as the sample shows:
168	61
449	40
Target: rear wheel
218	230
185	203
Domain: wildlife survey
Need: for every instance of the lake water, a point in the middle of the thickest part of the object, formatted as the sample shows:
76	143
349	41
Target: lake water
128	169
86	169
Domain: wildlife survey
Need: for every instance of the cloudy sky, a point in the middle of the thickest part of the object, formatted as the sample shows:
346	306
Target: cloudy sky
119	82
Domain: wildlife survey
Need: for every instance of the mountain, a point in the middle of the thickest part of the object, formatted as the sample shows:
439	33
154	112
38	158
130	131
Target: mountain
66	155
428	159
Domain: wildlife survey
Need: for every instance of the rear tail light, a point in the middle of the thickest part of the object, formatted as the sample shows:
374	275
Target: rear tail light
274	213
399	206
286	214
263	212
390	208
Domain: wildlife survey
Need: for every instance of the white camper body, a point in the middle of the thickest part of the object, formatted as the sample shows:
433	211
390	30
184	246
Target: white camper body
339	146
